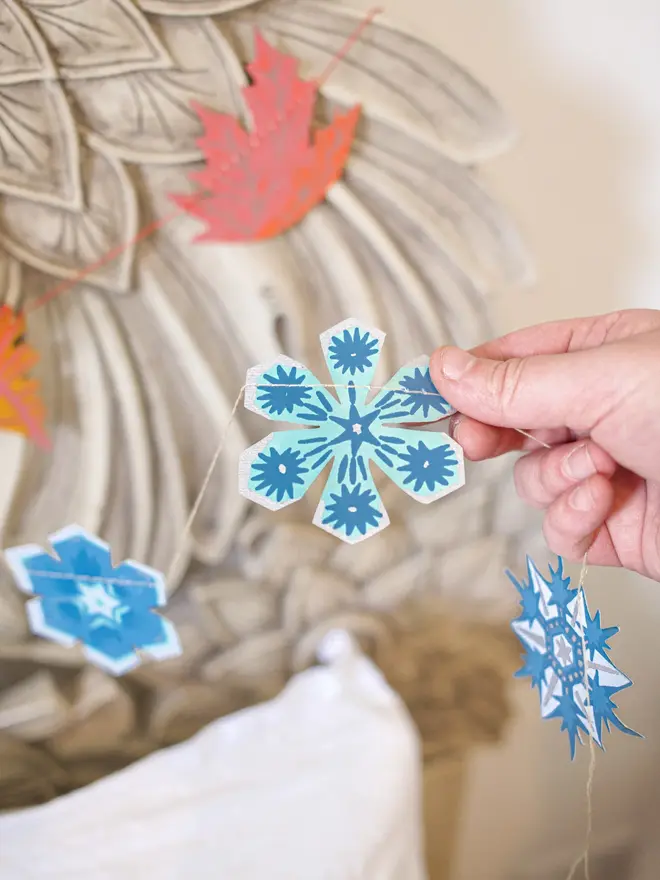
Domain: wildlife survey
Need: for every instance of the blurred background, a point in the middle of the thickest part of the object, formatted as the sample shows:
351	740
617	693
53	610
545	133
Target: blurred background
580	81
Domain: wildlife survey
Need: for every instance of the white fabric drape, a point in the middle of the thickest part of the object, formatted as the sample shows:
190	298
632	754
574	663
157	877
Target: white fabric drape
322	783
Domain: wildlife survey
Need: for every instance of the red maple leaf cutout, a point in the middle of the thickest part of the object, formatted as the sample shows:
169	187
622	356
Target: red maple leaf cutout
258	184
21	407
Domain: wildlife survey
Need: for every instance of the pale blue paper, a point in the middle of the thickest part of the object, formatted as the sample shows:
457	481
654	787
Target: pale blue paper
340	426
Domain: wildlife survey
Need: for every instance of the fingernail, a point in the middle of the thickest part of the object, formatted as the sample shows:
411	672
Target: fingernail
581	498
454	425
454	362
578	464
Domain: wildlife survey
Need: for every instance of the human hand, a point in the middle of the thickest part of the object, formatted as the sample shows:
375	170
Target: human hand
590	388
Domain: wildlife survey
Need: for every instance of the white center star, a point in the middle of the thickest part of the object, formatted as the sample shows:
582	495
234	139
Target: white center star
357	429
563	651
98	601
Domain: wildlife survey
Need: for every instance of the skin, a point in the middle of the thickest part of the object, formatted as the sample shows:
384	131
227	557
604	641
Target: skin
590	388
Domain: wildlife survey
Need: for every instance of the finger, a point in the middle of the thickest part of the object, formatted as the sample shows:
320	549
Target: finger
602	550
546	391
573	520
480	442
573	334
544	475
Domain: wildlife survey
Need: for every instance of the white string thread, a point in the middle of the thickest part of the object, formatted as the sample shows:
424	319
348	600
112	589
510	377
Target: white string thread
202	491
183	540
535	439
583	858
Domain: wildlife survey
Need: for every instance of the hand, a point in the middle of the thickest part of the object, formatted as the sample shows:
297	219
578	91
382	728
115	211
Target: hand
590	388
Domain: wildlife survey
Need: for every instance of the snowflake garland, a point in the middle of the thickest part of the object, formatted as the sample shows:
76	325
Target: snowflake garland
555	627
345	428
81	597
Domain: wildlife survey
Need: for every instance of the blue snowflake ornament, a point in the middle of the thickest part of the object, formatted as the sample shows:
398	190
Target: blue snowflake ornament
79	596
560	638
341	422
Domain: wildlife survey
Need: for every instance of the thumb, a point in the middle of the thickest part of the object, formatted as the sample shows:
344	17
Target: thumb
541	391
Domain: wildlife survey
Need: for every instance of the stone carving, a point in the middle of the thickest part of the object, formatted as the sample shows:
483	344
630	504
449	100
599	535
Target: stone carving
143	358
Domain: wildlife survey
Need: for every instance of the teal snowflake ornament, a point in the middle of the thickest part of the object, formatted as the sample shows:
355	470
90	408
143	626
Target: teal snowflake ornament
79	596
567	655
341	422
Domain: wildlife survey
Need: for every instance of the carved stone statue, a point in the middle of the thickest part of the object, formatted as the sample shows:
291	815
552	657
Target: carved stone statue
141	363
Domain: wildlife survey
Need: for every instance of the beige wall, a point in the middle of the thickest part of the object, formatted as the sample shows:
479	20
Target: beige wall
581	78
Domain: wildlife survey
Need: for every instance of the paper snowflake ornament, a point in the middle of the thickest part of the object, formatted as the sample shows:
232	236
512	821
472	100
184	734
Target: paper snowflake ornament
81	597
555	628
339	423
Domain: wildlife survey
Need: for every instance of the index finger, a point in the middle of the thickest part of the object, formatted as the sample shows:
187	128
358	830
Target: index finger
571	334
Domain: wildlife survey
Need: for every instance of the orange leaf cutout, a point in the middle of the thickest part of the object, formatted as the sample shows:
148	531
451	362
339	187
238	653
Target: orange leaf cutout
21	407
258	184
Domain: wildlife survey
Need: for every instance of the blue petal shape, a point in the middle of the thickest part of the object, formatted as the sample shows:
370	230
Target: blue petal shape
351	512
111	648
139	586
59	632
575	685
597	637
352	353
603	708
529	599
573	721
65	616
285	391
164	644
349	432
560	587
80	597
280	468
411	397
534	667
37	573
428	465
82	553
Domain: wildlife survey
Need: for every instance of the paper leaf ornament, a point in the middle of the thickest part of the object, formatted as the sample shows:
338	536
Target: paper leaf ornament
554	627
21	407
257	184
81	597
344	428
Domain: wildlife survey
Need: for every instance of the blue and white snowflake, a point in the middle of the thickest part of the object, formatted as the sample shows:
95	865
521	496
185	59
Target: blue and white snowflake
79	596
555	627
345	428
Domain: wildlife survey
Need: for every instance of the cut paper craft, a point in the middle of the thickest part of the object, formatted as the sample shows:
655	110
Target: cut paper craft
554	627
21	407
81	597
351	432
256	184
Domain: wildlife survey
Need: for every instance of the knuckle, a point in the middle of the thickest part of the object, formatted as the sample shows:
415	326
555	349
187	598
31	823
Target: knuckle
527	482
504	384
550	480
559	543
